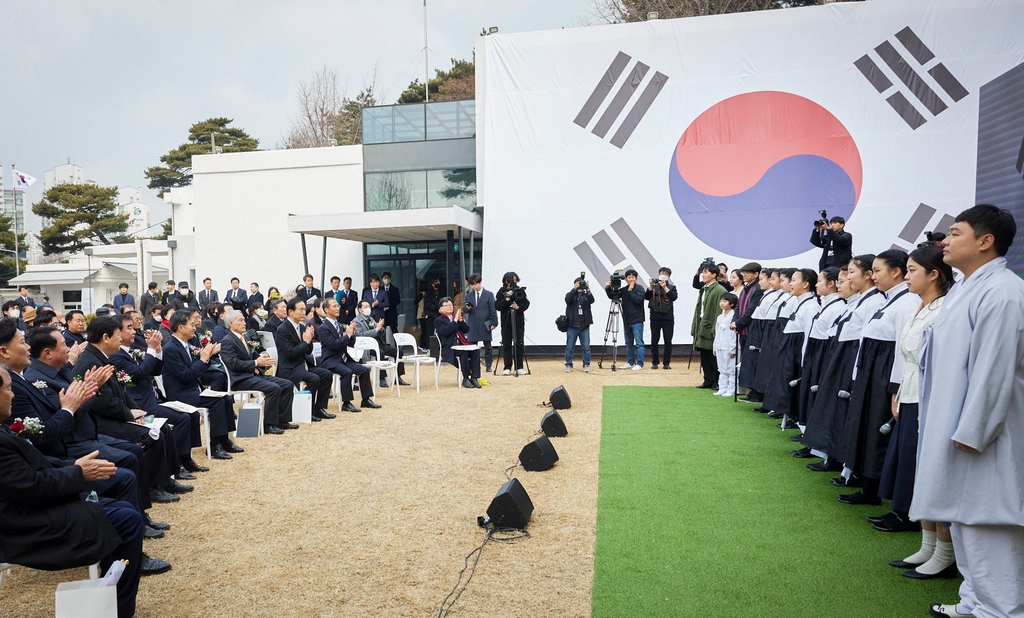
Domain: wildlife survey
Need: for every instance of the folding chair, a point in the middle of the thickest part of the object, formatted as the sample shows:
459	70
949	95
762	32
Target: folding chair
369	344
245	395
405	340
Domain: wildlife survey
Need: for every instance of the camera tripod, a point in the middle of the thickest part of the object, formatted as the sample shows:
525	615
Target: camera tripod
512	348
611	328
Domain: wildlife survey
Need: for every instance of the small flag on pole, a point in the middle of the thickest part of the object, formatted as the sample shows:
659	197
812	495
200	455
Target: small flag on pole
23	180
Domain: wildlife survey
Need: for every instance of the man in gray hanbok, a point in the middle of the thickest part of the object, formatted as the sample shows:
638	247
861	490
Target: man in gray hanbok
970	469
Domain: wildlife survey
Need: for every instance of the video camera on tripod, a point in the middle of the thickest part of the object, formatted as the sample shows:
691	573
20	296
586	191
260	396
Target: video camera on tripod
616	280
514	293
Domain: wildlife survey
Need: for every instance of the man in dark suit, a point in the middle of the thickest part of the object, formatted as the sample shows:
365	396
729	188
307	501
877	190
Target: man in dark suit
244	371
123	298
255	296
481	316
835	242
118	416
451	329
23	299
348	300
181	373
295	358
278	313
334	341
237	297
376	297
47	525
207	295
149	300
308	292
367	327
394	300
169	292
141	366
75	331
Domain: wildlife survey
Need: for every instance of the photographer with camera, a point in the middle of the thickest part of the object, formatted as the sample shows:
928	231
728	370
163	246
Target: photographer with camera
835	242
511	303
632	299
661	295
579	316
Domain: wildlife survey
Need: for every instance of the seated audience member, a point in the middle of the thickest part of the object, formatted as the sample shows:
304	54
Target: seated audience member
213	313
165	322
294	341
75	332
278	312
45	317
117	414
314	315
181	371
257	317
450	329
123	298
45	522
335	341
243	366
366	326
377	298
273	293
154	317
139	343
141	366
214	376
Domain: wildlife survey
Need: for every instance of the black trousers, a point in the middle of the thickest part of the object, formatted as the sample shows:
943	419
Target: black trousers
222	417
318	383
659	327
278	393
488	354
129	525
182	423
506	346
470	360
426	332
709	366
346	370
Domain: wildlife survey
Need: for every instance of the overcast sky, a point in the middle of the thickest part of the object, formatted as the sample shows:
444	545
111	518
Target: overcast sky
113	85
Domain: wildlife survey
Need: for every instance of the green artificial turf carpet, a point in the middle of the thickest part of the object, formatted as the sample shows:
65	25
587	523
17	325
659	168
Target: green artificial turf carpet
703	512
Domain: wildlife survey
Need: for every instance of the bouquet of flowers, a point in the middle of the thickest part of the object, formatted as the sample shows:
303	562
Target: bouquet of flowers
137	354
204	338
27	427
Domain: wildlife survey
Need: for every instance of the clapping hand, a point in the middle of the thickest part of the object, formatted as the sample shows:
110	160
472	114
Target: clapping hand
154	340
77	393
99	375
307	335
75	351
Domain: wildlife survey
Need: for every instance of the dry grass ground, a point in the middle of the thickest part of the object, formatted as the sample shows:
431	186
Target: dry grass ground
371	514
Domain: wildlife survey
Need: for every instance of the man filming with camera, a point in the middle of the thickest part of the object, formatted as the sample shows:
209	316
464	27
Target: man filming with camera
835	242
579	318
511	303
631	298
661	295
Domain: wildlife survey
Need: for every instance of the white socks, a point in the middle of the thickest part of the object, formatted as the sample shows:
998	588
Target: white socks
927	549
940	560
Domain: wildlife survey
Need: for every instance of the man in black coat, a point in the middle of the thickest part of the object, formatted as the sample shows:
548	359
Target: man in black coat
308	292
149	300
394	298
278	312
451	330
334	341
366	326
482	317
237	297
47	525
244	367
295	362
511	303
348	300
207	295
835	242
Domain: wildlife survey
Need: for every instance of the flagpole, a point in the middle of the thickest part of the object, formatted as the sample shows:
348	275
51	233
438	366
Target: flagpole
14	199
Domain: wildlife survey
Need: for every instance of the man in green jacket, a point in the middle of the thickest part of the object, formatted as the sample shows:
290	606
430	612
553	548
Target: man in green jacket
703	327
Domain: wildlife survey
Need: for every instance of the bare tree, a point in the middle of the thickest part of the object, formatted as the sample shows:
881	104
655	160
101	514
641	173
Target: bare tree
326	116
388	191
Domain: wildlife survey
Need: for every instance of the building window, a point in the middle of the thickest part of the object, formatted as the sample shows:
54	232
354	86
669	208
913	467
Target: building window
421	189
72	299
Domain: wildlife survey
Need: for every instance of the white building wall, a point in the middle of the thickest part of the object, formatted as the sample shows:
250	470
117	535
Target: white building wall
241	204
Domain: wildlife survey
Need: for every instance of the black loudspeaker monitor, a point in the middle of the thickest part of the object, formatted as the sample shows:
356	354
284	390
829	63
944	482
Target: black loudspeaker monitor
538	455
553	426
559	399
511	506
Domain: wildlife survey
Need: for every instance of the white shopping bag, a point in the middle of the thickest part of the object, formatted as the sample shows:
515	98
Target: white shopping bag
302	407
84	600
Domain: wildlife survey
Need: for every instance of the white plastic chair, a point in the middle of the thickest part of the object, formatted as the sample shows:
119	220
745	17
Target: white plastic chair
269	343
204	417
405	340
435	353
244	395
6	568
369	344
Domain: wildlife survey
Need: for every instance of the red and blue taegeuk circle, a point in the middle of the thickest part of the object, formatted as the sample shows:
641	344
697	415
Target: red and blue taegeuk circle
750	174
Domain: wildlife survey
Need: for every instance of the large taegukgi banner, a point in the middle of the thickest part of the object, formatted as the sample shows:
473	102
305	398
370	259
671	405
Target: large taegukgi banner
665	142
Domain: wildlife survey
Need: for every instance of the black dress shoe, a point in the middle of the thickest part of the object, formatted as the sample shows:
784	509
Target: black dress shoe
193	466
152	533
859	499
466	383
313	418
947	573
175	487
900	564
804	453
705	385
402	382
882	518
154	524
231	447
152	566
161	496
184	475
384	384
798	437
775	415
325	414
898	524
476	383
666	367
219	452
287	426
366	403
821	466
654	365
273	430
761	409
348	407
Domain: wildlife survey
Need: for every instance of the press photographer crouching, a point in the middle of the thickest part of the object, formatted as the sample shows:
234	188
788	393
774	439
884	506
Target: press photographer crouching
451	329
835	242
661	295
632	299
579	316
511	303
